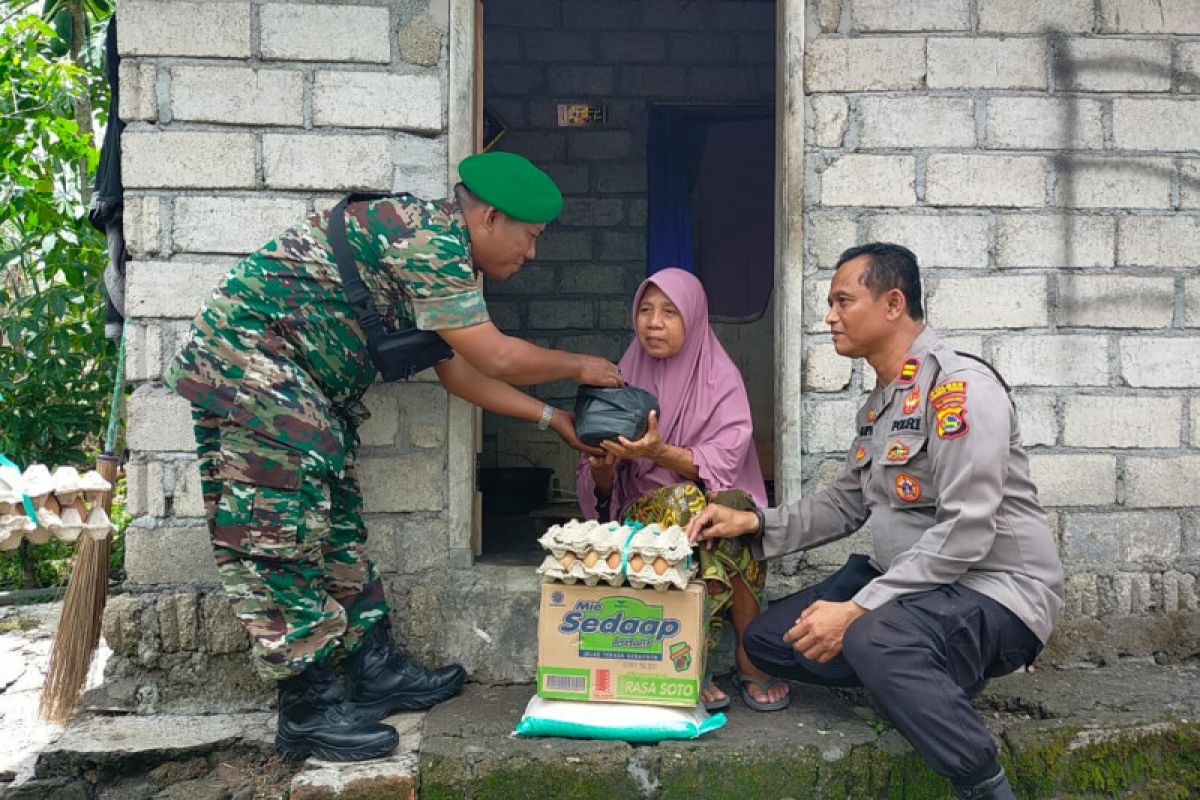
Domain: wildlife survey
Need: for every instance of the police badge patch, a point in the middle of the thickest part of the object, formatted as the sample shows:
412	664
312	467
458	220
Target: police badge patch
949	401
908	488
897	451
912	400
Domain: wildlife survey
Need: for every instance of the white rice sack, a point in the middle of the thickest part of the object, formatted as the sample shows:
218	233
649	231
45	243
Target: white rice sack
622	721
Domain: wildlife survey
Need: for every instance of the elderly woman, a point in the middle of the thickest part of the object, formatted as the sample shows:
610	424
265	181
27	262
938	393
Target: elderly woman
700	449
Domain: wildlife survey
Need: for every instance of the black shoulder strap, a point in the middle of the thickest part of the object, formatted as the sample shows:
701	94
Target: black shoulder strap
356	291
995	372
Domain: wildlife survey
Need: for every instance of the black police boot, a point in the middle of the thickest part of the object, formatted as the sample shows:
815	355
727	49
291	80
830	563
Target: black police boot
315	719
996	787
381	681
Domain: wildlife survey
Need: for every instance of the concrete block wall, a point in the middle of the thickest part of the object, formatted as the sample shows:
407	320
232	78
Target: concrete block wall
626	54
242	118
1041	160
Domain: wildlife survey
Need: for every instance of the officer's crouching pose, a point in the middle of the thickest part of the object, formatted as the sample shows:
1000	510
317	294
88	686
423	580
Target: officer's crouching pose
965	583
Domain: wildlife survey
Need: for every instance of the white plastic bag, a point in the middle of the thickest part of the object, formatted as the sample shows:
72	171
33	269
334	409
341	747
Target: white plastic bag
623	721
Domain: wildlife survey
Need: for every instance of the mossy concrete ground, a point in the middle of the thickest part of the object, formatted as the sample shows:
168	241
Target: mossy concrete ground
1131	730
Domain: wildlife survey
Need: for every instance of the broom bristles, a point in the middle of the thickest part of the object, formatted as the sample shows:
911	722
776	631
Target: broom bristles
78	631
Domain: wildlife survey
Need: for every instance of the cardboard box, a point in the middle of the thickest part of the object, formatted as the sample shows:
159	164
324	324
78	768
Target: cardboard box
621	645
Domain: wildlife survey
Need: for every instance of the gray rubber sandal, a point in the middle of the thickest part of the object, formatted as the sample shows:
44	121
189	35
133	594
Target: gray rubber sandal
715	705
749	700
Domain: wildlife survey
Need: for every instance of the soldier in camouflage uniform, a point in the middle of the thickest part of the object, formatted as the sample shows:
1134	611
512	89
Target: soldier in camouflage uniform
275	370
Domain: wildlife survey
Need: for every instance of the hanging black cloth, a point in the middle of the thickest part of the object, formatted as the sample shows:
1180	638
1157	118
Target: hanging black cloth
108	193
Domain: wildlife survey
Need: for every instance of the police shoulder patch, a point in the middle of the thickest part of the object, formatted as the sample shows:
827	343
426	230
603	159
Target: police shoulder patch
949	401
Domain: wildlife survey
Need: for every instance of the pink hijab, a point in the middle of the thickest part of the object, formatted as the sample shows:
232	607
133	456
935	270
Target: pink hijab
703	405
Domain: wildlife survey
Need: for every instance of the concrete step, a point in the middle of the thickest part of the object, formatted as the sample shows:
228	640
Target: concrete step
394	777
1128	730
213	757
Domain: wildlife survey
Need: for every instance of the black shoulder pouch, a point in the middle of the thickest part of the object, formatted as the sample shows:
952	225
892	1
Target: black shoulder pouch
398	355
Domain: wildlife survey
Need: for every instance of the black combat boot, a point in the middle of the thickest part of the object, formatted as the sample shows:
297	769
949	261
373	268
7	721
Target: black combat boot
316	720
381	681
996	787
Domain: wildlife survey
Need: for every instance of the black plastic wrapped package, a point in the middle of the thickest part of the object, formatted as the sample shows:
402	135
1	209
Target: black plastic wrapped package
603	414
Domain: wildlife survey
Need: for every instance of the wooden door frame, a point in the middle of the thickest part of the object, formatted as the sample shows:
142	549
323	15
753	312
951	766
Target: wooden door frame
464	126
789	247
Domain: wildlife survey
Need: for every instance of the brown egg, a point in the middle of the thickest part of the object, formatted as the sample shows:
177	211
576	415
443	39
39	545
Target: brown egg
614	560
636	562
660	565
568	558
591	558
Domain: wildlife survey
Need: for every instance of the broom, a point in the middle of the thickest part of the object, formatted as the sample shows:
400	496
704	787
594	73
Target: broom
78	631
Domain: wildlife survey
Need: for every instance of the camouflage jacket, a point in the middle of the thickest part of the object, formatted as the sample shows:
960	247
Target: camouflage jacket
276	346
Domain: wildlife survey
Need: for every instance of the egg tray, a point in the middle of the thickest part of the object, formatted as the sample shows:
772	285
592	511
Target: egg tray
593	552
65	505
648	541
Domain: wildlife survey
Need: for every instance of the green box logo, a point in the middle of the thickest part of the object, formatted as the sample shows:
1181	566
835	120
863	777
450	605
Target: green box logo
619	628
681	656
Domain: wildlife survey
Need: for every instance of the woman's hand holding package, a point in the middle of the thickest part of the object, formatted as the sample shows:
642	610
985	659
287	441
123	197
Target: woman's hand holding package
652	446
649	446
604	469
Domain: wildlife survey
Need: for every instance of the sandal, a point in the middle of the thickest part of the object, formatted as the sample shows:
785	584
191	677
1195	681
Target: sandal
714	705
758	705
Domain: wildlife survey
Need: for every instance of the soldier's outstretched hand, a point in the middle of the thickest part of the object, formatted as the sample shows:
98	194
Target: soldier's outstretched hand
596	371
563	423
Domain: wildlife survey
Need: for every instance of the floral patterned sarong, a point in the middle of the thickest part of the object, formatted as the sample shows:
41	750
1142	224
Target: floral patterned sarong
729	558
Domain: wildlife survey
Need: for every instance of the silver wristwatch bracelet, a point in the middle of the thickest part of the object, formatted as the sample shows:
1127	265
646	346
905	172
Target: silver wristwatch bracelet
547	415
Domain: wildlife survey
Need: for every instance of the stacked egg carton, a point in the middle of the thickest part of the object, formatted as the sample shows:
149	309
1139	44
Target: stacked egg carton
65	504
591	552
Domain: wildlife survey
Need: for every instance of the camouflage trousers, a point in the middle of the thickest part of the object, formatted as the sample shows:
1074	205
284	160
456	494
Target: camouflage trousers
290	546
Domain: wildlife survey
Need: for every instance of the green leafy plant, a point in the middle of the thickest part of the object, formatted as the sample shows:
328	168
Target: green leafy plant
56	367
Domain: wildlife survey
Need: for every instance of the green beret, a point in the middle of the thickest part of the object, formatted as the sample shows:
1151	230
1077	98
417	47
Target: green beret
513	185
